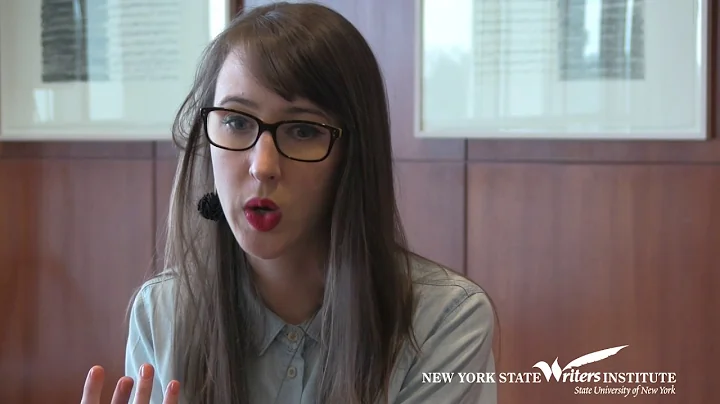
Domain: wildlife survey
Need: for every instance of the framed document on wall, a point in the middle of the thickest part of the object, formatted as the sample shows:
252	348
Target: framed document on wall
567	69
100	69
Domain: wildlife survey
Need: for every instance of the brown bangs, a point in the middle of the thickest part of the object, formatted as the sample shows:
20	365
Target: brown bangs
289	59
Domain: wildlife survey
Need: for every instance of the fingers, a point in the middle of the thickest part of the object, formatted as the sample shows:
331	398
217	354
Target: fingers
145	384
92	390
122	391
172	393
93	386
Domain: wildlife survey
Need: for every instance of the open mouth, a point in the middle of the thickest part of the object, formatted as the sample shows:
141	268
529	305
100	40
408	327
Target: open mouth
261	206
262	214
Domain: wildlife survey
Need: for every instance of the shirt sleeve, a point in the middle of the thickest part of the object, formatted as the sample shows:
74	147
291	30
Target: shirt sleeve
461	345
139	349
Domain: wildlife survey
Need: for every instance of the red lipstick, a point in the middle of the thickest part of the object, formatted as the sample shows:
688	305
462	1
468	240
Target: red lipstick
262	214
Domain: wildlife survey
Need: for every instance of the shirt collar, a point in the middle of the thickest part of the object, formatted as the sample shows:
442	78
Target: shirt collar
272	325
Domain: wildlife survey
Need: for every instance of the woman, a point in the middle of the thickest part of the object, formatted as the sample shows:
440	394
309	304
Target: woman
293	282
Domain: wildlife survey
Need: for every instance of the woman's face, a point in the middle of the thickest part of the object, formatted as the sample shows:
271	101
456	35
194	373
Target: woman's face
274	205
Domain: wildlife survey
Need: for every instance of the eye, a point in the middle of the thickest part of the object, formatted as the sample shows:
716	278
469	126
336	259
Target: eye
304	131
237	122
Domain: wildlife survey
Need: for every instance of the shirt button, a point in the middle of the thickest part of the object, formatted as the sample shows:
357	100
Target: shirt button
292	336
291	372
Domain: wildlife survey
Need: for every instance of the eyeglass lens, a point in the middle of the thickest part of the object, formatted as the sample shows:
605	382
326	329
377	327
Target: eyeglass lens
233	130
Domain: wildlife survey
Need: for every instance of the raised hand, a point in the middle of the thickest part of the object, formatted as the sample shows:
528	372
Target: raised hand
96	377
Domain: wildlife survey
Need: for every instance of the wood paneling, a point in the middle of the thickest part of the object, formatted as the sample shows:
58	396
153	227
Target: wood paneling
75	239
77	150
432	206
612	152
581	258
165	167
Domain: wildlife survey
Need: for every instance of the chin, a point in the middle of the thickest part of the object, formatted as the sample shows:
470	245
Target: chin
260	252
263	246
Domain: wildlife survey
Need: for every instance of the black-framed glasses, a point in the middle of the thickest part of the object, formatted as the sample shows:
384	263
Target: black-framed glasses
298	140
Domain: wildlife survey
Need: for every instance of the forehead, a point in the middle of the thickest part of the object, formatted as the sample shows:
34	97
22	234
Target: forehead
237	86
236	79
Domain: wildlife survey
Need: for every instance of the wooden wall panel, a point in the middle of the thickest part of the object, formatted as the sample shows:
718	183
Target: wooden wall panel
75	240
581	258
432	206
76	150
164	174
611	152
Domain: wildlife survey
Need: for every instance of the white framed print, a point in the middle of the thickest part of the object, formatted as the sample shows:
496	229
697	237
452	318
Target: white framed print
100	69
562	69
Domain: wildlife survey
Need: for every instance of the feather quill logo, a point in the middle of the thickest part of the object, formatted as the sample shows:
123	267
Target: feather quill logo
555	371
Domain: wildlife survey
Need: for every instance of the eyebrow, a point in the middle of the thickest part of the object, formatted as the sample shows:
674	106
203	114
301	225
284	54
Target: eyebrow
290	110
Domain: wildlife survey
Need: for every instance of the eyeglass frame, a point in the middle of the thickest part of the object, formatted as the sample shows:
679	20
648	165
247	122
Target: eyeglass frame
335	132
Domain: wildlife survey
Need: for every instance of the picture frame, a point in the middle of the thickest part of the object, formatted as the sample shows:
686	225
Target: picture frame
562	69
101	70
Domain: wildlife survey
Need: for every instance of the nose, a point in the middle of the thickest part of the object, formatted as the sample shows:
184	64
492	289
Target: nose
265	159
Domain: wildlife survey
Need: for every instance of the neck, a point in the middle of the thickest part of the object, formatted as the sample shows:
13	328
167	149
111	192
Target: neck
291	286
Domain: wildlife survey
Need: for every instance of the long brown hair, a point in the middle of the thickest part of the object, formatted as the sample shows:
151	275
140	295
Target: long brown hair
308	51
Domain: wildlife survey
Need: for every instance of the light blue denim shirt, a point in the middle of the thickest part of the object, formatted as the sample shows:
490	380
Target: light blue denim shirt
453	323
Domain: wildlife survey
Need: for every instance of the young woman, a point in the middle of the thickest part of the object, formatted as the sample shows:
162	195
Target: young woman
290	281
